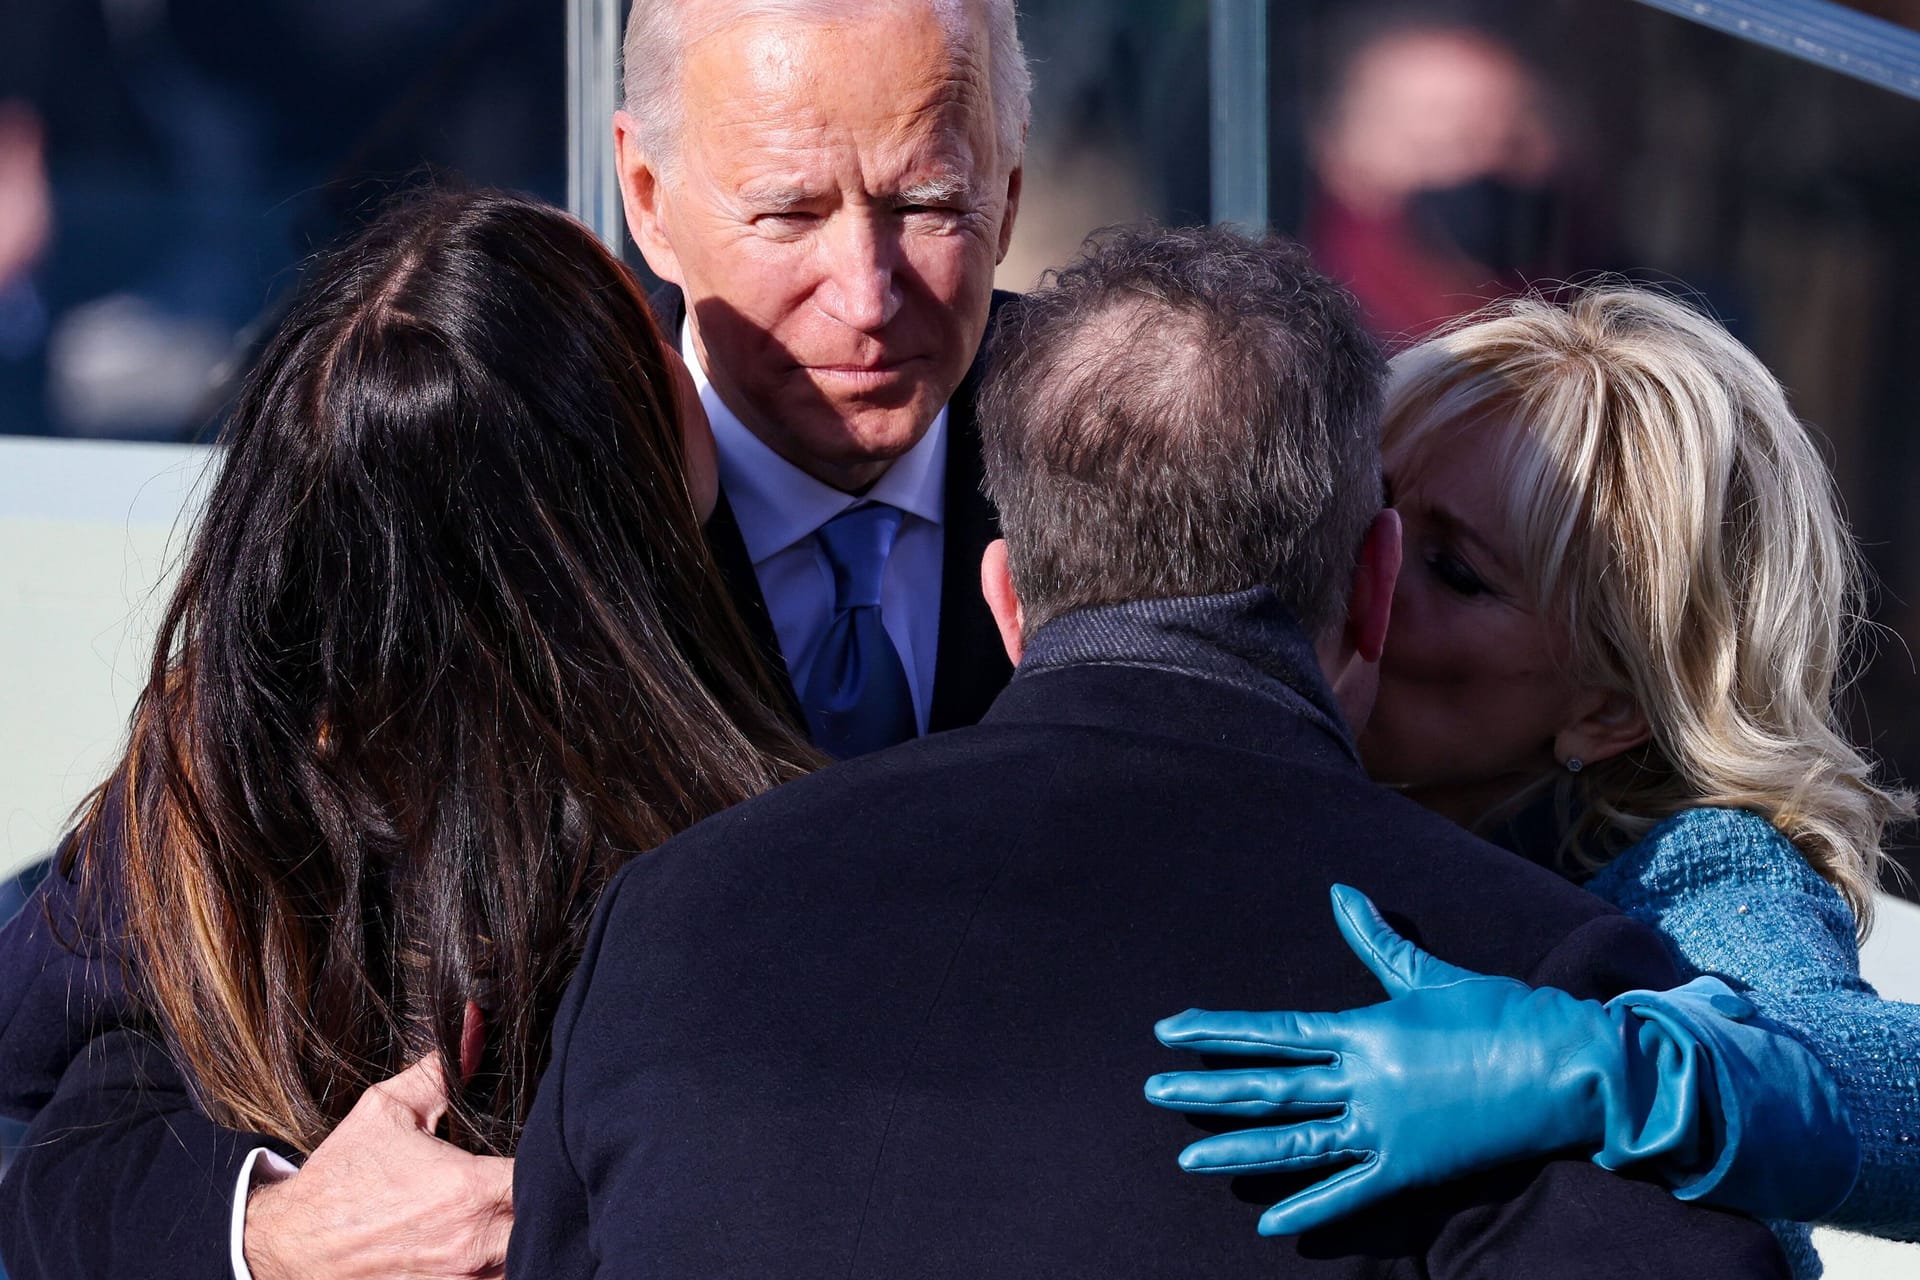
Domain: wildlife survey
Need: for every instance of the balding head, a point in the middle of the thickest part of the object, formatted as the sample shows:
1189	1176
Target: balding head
1183	413
659	33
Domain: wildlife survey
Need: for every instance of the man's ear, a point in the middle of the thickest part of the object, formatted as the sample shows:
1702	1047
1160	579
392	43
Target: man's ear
1608	722
642	191
996	584
1013	209
1370	606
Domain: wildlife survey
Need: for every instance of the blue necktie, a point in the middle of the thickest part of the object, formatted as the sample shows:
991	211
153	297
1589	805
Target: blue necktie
857	698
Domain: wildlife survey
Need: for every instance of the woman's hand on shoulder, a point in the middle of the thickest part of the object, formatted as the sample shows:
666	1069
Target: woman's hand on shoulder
1454	1073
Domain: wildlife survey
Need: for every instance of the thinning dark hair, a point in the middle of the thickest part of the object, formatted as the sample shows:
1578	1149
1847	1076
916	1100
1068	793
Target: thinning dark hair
1181	413
448	648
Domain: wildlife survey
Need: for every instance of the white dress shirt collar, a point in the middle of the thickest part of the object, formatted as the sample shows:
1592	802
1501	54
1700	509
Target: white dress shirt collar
776	504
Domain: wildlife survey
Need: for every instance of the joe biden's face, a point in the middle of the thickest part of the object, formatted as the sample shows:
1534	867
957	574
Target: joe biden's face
834	220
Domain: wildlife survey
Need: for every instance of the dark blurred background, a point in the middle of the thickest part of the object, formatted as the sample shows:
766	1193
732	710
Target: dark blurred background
164	163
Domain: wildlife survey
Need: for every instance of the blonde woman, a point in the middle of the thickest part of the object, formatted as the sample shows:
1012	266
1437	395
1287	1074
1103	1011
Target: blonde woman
1622	623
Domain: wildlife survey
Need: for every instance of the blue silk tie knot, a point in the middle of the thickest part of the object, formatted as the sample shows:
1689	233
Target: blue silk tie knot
857	698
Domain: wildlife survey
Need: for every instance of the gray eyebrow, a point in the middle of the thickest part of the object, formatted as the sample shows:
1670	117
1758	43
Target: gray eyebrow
783	197
775	197
937	190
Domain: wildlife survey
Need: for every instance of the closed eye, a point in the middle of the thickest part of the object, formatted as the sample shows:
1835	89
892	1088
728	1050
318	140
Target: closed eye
1456	575
944	213
787	223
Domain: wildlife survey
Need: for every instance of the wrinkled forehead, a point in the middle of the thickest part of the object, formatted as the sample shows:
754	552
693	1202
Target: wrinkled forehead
896	84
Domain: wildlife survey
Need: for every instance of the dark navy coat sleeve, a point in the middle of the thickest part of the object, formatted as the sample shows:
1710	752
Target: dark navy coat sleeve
60	987
119	1174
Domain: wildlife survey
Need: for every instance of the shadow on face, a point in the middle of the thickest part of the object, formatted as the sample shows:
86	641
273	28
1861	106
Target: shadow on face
835	217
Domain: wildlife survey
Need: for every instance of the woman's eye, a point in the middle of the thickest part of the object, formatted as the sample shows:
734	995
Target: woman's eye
1455	576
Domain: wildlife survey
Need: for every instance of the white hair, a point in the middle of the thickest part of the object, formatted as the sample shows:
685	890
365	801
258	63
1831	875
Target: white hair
659	34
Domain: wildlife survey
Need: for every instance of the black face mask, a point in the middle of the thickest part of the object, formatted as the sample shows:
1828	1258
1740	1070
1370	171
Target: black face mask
1498	224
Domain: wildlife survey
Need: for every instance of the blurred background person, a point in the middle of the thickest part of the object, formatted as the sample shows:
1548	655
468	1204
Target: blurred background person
26	229
194	151
1437	171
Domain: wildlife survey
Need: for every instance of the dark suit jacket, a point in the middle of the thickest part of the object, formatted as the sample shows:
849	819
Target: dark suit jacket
894	1019
970	664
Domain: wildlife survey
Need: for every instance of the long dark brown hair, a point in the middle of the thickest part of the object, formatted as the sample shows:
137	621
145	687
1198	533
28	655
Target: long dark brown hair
448	649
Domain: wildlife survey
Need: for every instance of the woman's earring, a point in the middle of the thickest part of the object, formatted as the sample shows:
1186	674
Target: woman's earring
1575	764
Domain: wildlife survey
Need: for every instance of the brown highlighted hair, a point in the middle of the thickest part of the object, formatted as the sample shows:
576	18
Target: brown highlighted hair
447	650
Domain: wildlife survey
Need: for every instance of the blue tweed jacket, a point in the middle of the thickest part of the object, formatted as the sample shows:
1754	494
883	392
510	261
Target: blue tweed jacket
1738	900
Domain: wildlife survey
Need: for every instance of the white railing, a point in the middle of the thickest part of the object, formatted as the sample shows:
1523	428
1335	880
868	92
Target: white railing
89	534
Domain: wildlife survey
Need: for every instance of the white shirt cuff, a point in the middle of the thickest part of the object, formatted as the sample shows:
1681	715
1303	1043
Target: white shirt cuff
266	1168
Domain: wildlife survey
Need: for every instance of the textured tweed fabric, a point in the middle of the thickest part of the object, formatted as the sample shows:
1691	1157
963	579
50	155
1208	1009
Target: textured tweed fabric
1738	900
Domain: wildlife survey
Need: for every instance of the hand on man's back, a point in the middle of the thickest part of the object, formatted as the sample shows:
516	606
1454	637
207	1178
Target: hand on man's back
383	1197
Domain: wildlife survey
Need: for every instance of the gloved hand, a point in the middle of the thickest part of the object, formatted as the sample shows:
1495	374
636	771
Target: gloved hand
1460	1071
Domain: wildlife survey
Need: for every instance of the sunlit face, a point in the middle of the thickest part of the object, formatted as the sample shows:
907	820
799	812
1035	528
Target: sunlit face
835	220
1474	688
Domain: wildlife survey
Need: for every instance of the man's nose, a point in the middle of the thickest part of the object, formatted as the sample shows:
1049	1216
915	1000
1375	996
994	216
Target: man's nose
862	285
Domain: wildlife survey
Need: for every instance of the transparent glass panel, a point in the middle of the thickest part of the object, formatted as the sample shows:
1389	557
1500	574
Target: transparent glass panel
1120	123
1435	161
165	163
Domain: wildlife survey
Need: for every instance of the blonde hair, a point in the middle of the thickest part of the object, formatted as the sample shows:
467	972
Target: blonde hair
1677	523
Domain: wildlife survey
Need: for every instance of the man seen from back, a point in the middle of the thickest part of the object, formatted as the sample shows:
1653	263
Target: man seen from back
891	1019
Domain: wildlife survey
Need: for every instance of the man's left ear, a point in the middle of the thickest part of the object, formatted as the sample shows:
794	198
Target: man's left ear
1610	723
996	584
1013	208
1370	607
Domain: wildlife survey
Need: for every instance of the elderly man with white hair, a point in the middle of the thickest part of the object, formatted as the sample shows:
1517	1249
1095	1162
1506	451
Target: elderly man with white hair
828	186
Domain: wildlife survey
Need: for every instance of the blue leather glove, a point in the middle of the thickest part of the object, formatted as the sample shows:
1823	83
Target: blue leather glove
1460	1071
